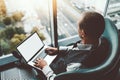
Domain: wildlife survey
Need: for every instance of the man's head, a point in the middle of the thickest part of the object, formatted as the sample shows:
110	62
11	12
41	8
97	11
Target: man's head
91	25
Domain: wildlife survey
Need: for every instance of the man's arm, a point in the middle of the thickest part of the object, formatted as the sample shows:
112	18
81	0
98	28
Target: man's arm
42	64
64	49
51	75
48	72
59	50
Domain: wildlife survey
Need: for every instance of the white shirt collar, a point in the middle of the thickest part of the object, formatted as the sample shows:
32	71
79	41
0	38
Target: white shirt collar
86	46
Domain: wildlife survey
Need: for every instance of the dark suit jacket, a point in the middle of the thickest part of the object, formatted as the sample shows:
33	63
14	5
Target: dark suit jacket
88	58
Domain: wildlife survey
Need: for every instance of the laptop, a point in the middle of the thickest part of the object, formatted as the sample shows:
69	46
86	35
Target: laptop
32	48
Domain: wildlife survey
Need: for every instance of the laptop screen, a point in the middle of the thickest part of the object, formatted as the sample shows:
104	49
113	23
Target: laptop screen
30	46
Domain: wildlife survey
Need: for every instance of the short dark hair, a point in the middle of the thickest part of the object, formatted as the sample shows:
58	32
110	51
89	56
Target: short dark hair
92	23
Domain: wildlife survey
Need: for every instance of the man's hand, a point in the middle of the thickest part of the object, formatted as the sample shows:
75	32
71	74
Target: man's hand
40	63
51	51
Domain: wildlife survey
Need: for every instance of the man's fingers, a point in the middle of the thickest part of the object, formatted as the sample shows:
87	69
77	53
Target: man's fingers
46	51
38	59
35	62
36	65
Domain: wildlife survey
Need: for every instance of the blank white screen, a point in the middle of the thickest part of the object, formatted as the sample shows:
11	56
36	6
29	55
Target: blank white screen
30	46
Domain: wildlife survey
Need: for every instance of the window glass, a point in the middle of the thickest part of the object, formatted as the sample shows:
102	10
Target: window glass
113	12
20	18
68	12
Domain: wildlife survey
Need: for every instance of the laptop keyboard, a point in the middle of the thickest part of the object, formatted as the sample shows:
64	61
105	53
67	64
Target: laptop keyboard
41	55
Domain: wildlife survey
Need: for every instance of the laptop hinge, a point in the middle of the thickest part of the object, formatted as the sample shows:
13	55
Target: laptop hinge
35	54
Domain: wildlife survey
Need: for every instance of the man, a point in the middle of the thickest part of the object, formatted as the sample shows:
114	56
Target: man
90	51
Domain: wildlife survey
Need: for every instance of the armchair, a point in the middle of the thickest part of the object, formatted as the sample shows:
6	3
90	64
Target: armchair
105	71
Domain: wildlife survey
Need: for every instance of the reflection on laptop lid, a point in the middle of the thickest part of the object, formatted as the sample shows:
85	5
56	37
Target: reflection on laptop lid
30	46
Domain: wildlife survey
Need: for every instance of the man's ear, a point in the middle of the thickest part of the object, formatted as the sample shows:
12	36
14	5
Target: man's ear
82	33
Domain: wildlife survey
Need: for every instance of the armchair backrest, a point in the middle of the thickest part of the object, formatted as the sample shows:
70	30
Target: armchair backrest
110	64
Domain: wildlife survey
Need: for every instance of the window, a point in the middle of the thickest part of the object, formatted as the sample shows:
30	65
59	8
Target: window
20	18
113	12
68	12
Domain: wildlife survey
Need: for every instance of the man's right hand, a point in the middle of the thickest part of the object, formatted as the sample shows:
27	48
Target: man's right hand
51	51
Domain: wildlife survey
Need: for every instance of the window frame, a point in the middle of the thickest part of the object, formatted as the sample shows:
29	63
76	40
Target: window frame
54	27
